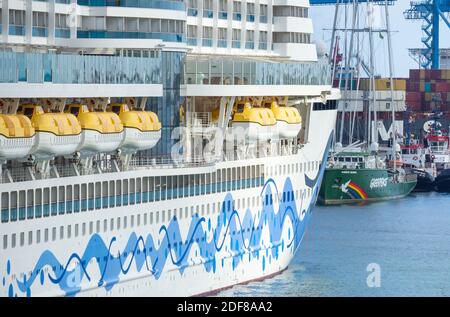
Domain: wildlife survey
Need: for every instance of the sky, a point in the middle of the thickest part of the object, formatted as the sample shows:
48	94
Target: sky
405	34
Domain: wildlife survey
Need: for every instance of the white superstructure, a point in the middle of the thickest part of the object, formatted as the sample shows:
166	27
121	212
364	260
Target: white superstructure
109	210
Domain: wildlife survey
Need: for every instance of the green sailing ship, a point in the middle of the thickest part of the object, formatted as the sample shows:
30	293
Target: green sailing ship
361	177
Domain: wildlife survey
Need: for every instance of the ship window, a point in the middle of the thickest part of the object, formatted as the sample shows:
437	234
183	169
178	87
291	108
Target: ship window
61	232
22	238
61	201
132	221
98	195
13	240
38	236
186	212
118	223
138	190
53	233
30	204
30	237
97	227
138	220
108	194
69	231
83	229
105	225
132	193
91	196
111	224
91	227
163	216
125	222
151	218
145	219
157	217
76	230
5	207
5	241
118	193
46	235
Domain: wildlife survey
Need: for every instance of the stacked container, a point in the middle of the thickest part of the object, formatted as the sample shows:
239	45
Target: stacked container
428	90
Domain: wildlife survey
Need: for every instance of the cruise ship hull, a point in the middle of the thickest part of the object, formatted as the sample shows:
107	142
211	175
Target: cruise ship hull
180	246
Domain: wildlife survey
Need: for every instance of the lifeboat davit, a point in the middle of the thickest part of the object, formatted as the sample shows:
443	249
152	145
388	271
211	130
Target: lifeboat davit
142	129
102	132
16	136
57	134
289	121
255	122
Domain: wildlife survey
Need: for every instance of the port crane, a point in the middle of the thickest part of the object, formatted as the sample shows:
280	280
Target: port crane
430	12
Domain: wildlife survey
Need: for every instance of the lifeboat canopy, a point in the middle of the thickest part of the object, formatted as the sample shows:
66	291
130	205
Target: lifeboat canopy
57	134
16	136
256	123
102	132
142	129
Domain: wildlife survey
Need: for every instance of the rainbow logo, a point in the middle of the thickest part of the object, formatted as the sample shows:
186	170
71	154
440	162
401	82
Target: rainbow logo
354	191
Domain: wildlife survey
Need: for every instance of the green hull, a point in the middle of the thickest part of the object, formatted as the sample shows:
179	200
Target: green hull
343	186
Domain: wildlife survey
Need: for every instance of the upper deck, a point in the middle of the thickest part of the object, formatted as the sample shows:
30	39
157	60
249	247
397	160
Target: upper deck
230	76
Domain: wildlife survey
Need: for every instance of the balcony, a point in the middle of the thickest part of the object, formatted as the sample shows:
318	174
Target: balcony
62	33
39	31
222	43
17	30
207	42
208	14
192	41
96	34
154	4
223	15
192	12
249	45
237	16
61	74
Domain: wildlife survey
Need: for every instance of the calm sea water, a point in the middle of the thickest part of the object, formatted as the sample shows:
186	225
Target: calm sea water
408	238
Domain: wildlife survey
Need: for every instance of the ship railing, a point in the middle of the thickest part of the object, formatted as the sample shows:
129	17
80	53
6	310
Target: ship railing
168	162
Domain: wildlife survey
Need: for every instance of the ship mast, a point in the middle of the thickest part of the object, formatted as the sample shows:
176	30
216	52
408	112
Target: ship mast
391	71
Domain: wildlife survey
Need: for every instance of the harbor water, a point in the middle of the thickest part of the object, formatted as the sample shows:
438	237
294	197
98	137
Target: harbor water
403	245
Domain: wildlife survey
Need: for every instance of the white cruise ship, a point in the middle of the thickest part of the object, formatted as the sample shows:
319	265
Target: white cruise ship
157	147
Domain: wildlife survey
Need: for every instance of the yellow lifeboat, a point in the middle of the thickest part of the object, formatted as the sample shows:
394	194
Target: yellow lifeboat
16	136
142	129
254	122
102	132
289	121
57	134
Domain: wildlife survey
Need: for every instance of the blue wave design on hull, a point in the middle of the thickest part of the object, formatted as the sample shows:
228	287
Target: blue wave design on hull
145	254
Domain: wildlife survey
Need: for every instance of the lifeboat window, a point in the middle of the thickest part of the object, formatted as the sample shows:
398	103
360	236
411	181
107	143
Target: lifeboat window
28	112
75	110
116	109
240	108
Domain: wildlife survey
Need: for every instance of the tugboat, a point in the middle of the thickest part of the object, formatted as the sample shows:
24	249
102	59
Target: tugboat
419	160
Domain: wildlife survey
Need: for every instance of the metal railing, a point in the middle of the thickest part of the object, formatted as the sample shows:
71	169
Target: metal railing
228	71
